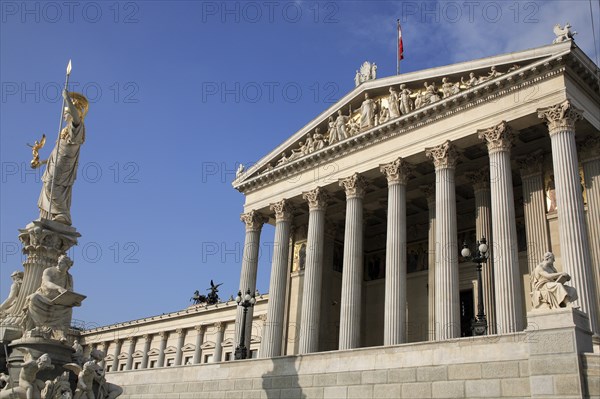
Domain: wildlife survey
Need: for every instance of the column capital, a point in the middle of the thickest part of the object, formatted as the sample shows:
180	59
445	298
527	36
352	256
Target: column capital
498	138
200	328
263	318
397	171
560	117
147	337
181	332
444	156
429	191
531	164
354	186
317	198
219	326
283	210
589	149
164	334
131	339
253	220
479	178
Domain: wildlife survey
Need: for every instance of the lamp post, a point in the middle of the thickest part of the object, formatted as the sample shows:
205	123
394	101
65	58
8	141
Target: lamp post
479	324
241	352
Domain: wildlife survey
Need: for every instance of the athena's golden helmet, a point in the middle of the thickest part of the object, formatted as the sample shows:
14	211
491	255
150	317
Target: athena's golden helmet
80	102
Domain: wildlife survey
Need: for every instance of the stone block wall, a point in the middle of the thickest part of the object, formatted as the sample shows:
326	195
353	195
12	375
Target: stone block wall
535	363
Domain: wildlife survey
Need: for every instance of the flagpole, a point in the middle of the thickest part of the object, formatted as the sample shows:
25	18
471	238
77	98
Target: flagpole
60	125
398	46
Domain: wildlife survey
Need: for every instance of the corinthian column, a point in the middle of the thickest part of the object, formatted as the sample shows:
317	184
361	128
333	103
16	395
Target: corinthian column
352	274
199	340
180	342
220	328
429	192
147	341
313	271
480	179
447	306
116	353
534	206
590	159
164	336
394	328
273	332
131	341
574	244
509	311
254	222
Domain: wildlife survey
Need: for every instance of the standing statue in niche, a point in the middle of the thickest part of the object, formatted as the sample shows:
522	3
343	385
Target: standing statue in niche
548	288
61	166
48	310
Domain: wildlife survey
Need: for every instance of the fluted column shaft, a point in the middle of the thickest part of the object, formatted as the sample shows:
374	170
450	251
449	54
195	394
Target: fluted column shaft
590	159
352	274
199	341
129	363
574	244
147	341
180	343
254	222
483	228
273	332
219	342
394	327
447	306
429	192
161	350
534	206
509	302
313	272
116	353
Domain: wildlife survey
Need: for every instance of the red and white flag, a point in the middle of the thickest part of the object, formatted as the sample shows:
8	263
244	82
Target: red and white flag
400	44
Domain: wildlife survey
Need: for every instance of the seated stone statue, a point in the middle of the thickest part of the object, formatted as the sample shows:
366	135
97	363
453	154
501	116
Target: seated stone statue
43	310
548	290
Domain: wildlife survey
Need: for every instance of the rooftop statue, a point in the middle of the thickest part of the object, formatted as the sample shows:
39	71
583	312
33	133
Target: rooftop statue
548	288
368	71
563	34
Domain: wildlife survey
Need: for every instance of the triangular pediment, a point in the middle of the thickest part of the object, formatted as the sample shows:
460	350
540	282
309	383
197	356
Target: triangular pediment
123	356
153	352
207	345
188	348
171	349
420	96
137	354
109	358
228	342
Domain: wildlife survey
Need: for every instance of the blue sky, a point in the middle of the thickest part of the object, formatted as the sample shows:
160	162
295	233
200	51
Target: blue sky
183	91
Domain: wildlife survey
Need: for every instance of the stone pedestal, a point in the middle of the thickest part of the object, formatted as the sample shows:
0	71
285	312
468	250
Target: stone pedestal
43	242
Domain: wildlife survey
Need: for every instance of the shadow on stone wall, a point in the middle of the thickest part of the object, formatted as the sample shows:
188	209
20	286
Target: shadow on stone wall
282	380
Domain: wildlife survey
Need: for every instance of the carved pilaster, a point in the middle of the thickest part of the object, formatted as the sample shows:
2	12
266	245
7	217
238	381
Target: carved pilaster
560	117
397	172
283	210
354	186
317	198
444	156
253	220
531	164
498	138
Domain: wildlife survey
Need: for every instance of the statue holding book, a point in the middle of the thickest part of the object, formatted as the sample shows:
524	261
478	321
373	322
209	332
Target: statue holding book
548	288
48	310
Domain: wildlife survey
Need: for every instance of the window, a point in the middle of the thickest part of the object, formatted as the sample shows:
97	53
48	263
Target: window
121	366
208	358
170	362
152	364
137	365
108	368
253	354
228	356
188	360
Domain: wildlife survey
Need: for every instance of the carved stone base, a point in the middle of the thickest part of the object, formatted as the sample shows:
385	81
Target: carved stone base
569	318
59	353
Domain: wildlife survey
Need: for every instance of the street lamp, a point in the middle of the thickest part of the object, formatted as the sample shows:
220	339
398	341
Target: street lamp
479	324
248	301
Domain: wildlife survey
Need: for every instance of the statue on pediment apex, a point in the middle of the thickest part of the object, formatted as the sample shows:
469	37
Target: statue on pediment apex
563	34
368	71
